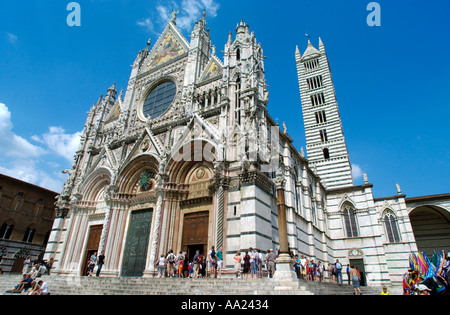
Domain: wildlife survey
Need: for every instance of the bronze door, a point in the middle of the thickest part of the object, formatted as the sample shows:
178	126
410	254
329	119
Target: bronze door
135	255
195	232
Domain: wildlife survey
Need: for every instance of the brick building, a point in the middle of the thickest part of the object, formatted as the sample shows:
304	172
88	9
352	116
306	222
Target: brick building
26	219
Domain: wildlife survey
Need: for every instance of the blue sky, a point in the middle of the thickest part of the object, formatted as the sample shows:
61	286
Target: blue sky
391	81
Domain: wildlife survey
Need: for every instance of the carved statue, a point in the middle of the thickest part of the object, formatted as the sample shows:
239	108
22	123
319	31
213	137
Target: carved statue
174	16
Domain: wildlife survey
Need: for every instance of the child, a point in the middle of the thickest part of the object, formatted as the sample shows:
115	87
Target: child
385	291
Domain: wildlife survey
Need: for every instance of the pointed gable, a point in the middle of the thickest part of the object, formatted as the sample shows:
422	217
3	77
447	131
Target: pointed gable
310	52
170	45
213	69
115	111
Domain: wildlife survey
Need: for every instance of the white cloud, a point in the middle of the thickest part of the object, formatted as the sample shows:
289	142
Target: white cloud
190	12
36	164
13	145
146	24
60	142
29	171
11	38
356	171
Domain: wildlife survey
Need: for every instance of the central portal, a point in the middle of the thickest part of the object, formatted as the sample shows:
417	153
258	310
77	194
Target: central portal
195	233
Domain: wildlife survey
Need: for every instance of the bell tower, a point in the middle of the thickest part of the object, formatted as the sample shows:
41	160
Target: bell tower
326	146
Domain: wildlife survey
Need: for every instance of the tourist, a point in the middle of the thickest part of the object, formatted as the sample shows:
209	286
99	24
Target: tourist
186	267
271	257
196	263
356	280
44	289
41	270
247	263
100	263
26	265
180	264
25	283
254	263
170	264
94	258
260	264
319	271
191	270
339	272
34	289
212	256
348	273
297	267
333	273
49	264
219	262
161	265
237	264
423	289
91	266
308	269
385	291
202	261
302	267
34	271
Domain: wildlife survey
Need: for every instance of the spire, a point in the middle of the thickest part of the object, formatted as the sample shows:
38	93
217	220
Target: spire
321	45
297	52
111	95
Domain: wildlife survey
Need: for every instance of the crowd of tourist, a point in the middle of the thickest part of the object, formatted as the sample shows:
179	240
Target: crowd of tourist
250	264
30	284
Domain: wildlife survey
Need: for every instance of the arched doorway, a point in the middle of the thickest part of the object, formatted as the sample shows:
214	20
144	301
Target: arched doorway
196	215
431	228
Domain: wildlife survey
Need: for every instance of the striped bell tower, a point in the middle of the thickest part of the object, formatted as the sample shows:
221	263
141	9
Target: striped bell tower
326	148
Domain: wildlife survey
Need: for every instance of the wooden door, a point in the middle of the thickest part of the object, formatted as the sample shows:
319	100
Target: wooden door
95	233
195	230
135	255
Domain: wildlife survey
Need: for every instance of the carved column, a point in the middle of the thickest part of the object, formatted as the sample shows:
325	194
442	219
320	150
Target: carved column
150	268
284	274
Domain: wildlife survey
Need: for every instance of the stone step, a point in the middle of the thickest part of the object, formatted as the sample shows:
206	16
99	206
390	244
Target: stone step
175	286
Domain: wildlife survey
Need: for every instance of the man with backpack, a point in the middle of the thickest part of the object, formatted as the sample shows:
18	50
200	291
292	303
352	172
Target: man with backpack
170	264
338	272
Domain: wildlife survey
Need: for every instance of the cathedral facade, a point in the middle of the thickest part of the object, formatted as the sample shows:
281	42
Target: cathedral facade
188	158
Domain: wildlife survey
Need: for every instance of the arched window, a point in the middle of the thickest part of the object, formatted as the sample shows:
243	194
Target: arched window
238	54
350	220
29	235
326	153
17	202
297	188
390	222
237	113
6	231
38	207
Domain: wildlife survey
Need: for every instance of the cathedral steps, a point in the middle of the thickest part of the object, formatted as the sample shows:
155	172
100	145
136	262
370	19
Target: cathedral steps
168	286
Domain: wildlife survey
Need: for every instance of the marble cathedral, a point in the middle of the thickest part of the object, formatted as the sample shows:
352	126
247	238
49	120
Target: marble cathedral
188	158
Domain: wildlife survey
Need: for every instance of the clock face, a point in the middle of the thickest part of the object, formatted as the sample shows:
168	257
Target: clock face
159	99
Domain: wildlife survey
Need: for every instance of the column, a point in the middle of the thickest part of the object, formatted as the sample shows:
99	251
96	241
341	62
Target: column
284	274
150	269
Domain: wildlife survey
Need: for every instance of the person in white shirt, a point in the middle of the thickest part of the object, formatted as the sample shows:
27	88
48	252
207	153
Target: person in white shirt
302	266
44	290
